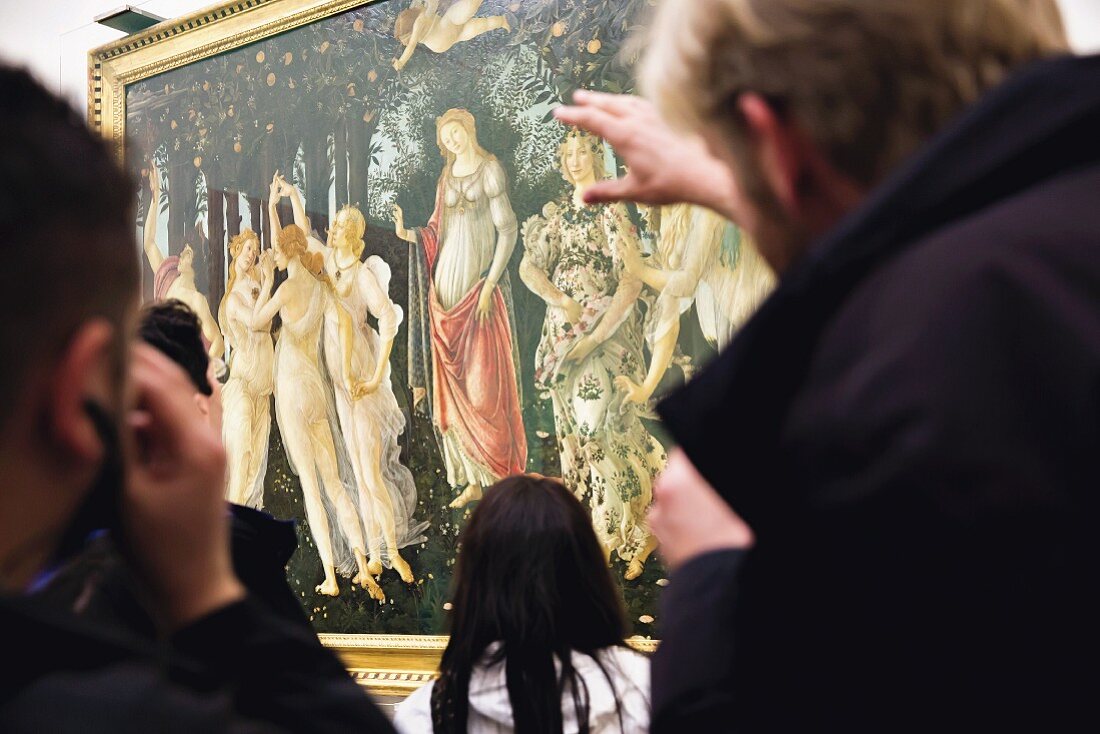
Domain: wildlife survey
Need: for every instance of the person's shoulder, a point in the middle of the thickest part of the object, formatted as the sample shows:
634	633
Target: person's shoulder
632	663
1044	233
128	696
494	175
414	714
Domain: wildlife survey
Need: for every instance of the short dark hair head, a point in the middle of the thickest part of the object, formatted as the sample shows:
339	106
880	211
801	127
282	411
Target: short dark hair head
173	329
531	575
67	234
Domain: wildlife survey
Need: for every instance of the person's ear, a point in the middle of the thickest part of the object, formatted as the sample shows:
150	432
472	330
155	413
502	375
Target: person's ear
778	148
203	404
86	371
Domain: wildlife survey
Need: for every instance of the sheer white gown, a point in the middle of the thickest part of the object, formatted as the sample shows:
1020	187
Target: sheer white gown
246	397
306	422
370	426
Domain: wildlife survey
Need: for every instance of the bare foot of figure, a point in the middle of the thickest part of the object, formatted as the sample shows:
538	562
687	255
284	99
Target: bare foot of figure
637	563
374	568
472	493
402	567
371	586
329	587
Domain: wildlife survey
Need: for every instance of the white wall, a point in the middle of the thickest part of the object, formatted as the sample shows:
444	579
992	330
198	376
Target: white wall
53	38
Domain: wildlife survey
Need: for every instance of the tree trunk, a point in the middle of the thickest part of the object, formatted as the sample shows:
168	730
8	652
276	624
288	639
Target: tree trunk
257	220
318	167
358	161
181	202
233	212
215	229
340	153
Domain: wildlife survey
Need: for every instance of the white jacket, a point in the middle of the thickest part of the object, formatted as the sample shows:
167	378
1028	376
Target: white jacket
491	712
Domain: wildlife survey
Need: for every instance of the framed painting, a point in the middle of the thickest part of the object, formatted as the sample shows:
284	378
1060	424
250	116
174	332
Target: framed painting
376	217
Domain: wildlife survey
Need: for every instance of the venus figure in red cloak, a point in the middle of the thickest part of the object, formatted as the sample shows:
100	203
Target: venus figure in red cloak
461	335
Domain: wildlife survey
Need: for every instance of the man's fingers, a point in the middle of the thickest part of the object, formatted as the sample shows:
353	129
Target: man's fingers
620	105
168	416
596	121
613	190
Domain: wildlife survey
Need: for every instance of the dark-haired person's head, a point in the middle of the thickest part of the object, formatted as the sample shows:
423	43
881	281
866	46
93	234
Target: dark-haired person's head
68	292
173	329
531	587
815	102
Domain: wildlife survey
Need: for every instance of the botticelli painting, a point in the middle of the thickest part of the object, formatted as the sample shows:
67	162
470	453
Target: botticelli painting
377	220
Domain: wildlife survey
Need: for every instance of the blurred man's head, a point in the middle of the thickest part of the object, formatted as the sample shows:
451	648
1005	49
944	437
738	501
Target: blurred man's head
815	102
68	293
175	330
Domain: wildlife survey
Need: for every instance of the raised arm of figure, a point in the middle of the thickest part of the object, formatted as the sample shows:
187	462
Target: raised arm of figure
399	226
268	303
149	240
274	195
290	191
210	329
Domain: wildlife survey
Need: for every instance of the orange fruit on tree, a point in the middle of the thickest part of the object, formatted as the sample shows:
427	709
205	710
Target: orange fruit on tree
594	46
558	29
197	161
260	57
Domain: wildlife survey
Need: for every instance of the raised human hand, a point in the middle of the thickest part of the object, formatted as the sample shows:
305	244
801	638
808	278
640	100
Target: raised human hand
689	518
398	217
154	181
285	187
175	522
274	192
663	166
267	266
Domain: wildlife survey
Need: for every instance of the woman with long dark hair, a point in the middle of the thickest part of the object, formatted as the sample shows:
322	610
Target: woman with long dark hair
537	628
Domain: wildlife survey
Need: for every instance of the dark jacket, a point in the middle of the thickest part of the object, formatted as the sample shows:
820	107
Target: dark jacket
241	669
256	666
97	584
911	425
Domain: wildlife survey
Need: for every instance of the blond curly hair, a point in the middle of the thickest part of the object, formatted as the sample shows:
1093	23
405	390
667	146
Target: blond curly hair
867	80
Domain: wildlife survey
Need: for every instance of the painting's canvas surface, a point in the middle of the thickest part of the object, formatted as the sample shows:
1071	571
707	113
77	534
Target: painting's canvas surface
412	142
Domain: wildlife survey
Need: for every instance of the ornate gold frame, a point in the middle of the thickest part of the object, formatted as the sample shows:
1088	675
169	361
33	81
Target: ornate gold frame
388	665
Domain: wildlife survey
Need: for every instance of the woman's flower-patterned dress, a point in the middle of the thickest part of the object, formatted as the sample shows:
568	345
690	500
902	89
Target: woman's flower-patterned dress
607	455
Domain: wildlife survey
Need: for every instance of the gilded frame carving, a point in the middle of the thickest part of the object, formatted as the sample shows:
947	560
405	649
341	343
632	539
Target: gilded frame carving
389	665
